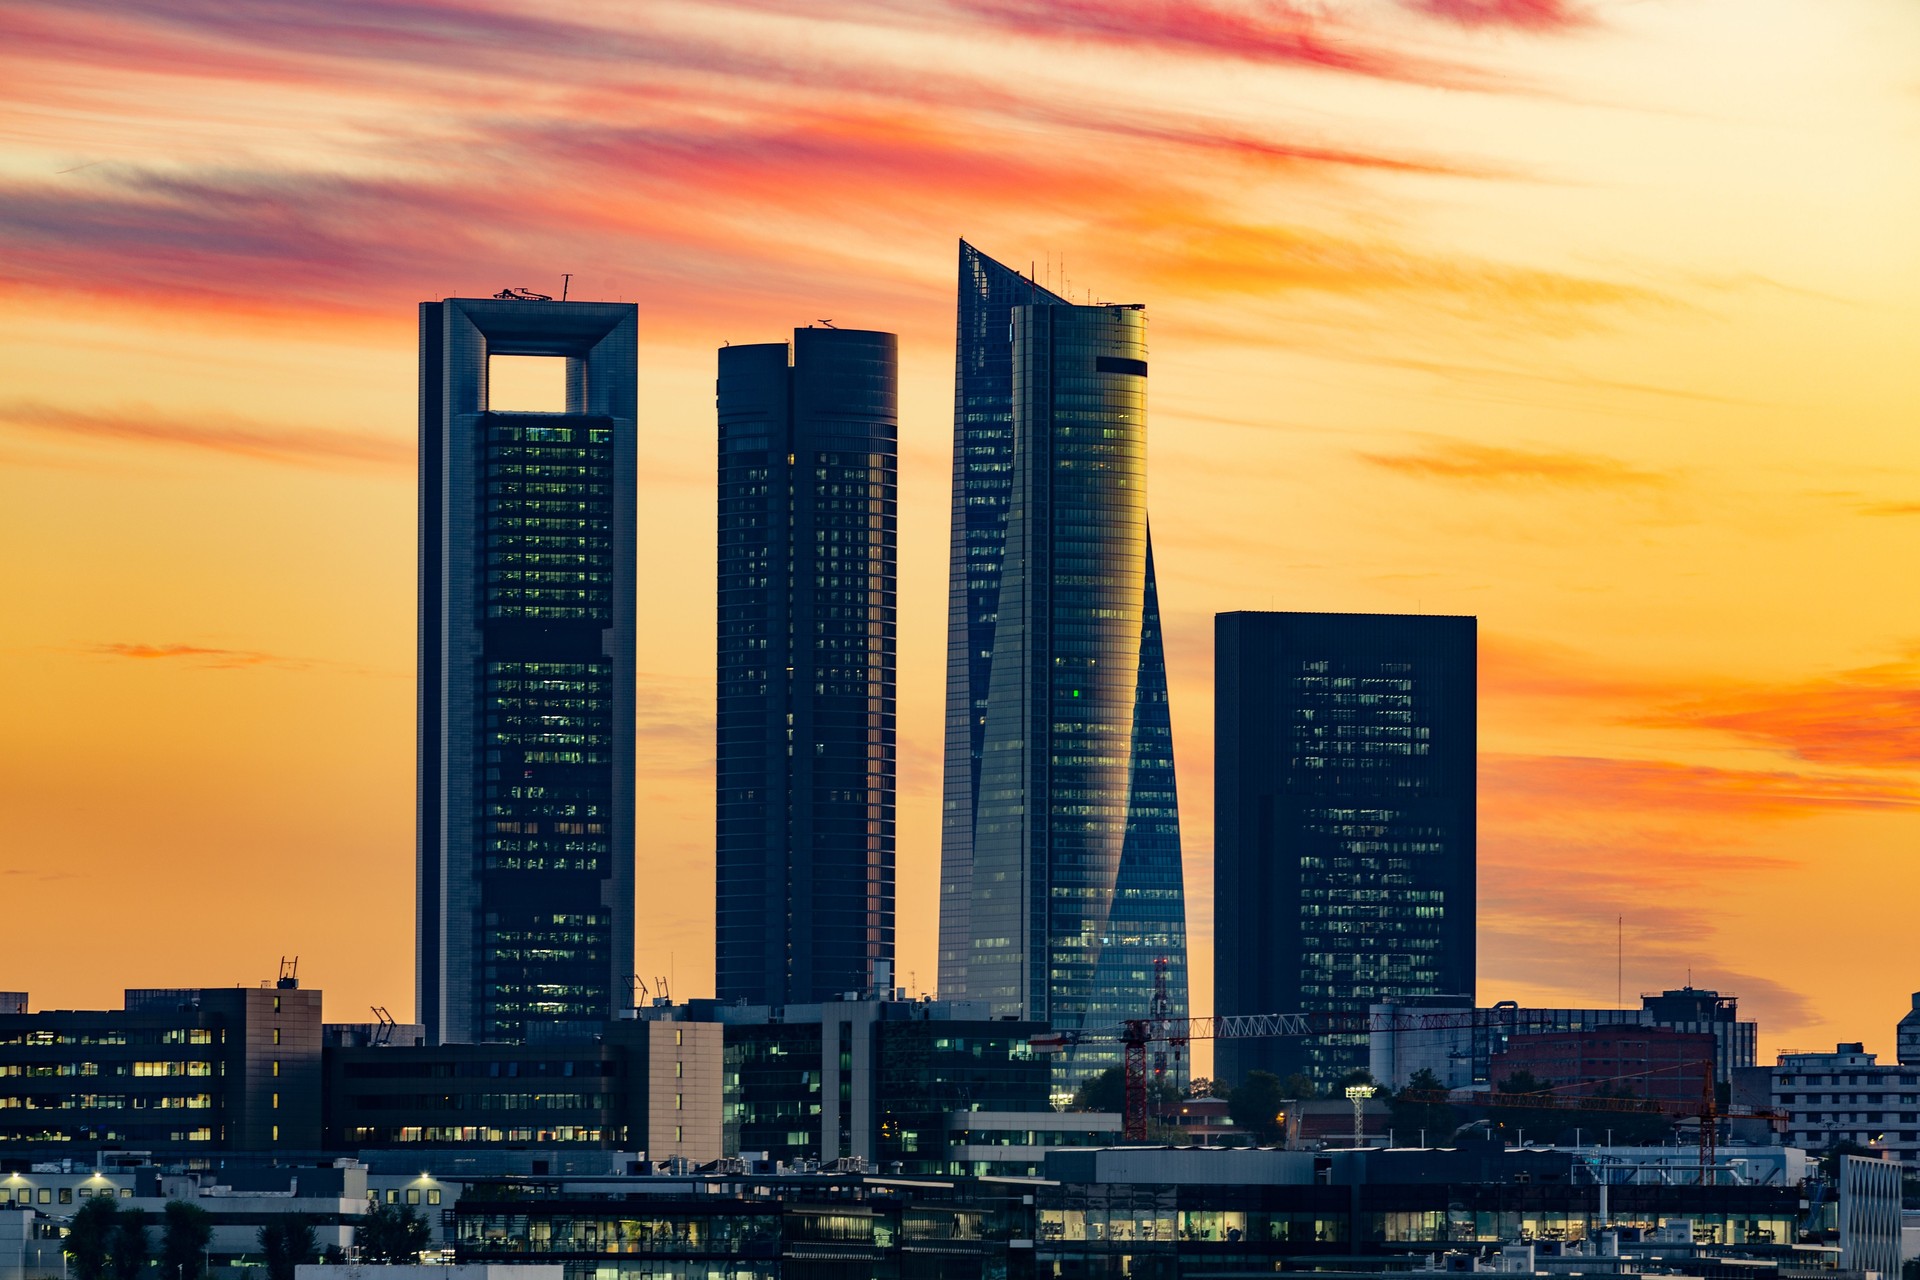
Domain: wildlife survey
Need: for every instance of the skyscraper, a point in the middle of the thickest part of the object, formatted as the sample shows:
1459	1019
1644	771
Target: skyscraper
1061	879
1344	823
808	574
524	841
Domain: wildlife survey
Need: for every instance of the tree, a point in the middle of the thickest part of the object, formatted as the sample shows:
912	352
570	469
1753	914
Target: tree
1299	1085
184	1238
286	1244
89	1241
391	1234
1415	1113
132	1248
1258	1105
1104	1092
1524	1082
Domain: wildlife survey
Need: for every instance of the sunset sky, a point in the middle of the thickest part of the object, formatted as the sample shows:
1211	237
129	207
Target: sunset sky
1596	320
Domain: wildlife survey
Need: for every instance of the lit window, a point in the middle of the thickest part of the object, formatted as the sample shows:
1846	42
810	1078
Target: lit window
276	1035
276	1102
276	1133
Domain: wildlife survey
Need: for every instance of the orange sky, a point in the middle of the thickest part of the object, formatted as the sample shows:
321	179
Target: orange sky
1593	319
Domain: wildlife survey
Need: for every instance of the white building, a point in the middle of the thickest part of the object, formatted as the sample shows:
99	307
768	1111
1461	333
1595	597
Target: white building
1845	1096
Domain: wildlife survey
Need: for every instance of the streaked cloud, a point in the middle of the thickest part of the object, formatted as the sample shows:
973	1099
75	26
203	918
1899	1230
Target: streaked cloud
215	432
1474	463
1865	718
1678	789
1524	15
193	655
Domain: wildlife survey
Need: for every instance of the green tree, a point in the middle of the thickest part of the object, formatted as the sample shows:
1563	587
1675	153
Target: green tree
1258	1105
1104	1092
186	1232
1416	1113
1299	1085
391	1234
89	1242
286	1244
1524	1082
132	1247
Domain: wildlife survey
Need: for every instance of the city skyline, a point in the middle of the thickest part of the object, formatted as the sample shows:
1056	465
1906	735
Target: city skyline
1588	320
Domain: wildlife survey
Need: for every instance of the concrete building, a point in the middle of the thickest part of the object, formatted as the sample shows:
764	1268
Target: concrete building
1847	1096
1014	1144
1647	1062
1453	1039
189	1071
524	836
808	566
872	1081
647	1087
1907	1035
13	1002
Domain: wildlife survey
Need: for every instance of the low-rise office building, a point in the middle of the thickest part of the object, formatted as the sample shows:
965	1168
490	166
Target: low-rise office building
866	1080
1846	1096
1647	1062
189	1072
1450	1037
650	1087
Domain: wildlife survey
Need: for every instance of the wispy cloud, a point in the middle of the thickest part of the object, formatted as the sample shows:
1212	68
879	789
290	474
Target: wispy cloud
1864	718
1890	509
1524	15
1678	789
1466	461
215	432
194	655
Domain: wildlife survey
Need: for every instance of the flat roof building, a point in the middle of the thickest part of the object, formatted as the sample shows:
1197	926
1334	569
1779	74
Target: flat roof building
181	1071
524	836
1344	848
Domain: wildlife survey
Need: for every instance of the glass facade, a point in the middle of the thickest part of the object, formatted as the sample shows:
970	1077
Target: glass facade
1070	857
808	593
1344	854
525	837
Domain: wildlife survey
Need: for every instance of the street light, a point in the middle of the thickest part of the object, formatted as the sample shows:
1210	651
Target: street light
1358	1094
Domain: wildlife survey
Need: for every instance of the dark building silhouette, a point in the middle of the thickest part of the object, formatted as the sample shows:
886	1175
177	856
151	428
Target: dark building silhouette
1344	823
525	814
179	1071
1061	886
808	578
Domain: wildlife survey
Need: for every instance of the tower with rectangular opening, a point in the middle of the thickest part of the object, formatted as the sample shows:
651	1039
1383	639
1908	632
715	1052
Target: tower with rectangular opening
524	840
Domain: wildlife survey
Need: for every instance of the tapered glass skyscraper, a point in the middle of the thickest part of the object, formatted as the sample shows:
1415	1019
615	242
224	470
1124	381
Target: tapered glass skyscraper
1061	885
524	841
808	575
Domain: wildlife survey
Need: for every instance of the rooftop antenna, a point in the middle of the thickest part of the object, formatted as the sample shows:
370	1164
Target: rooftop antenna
566	284
289	979
827	323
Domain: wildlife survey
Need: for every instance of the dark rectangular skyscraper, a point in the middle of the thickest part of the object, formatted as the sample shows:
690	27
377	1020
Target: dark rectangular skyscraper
1344	823
1061	877
808	569
525	798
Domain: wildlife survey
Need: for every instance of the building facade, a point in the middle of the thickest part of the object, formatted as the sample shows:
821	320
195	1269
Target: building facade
875	1081
808	583
186	1072
1906	1034
1454	1040
1846	1096
1646	1062
644	1087
1344	848
524	836
1063	839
